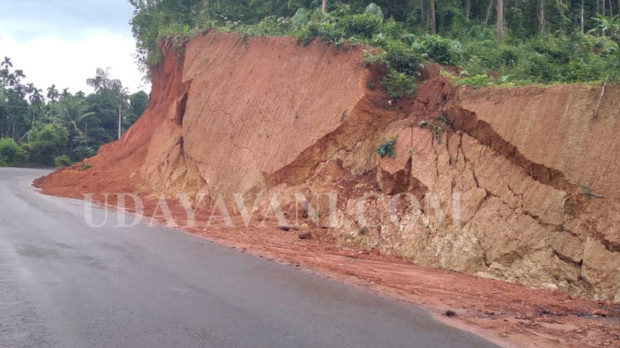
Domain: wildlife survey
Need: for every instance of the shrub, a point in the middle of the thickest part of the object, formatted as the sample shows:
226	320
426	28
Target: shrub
85	166
8	151
401	57
372	58
597	44
81	152
374	10
397	85
387	148
62	161
301	18
438	49
48	141
269	26
325	29
393	30
436	128
23	154
363	25
476	81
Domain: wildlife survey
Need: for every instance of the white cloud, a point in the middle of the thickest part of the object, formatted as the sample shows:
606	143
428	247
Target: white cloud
68	62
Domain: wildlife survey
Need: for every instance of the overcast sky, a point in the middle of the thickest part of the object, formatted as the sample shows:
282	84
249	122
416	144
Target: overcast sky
63	42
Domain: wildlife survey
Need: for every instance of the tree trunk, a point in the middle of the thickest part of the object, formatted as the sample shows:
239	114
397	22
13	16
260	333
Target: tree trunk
611	9
423	13
488	16
500	19
324	7
432	14
582	21
541	16
468	9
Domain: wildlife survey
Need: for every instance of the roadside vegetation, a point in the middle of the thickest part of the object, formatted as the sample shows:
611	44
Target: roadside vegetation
57	128
492	42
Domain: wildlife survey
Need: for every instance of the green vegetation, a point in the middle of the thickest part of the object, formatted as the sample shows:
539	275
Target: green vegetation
62	161
587	190
8	151
541	41
59	128
85	166
476	81
436	128
387	147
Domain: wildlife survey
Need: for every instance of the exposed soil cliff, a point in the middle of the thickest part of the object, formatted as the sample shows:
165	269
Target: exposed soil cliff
504	179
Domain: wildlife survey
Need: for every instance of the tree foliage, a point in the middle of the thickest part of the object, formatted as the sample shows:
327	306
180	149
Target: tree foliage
542	41
48	127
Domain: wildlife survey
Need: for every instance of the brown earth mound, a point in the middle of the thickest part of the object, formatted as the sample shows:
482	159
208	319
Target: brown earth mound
514	184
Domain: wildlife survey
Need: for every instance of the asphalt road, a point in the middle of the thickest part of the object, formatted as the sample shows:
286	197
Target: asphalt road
63	284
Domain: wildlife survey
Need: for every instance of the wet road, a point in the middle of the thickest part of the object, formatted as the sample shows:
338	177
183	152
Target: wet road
64	284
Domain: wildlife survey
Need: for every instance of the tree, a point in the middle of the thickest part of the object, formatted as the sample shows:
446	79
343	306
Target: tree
541	16
433	17
52	93
137	104
49	141
121	95
500	19
102	80
48	124
324	7
71	112
6	63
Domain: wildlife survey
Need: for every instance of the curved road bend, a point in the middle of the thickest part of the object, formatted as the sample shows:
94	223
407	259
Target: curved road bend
63	284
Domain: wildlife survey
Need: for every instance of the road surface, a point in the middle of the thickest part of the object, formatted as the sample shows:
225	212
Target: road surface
64	284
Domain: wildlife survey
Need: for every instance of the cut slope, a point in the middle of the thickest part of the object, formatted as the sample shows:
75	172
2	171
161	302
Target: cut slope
264	114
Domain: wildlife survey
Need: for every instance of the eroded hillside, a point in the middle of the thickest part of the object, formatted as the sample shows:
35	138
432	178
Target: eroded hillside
264	115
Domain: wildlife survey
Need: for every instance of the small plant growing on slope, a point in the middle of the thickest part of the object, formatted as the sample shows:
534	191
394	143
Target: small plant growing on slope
587	190
387	148
445	120
397	85
85	166
436	130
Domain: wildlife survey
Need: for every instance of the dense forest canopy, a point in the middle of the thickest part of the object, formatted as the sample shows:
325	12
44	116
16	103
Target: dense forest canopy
492	41
52	127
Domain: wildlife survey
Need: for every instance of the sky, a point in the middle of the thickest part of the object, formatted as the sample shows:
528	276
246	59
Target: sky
63	42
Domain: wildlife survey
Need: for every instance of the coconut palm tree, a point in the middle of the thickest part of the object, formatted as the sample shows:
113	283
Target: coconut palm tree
52	93
71	112
102	80
6	63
